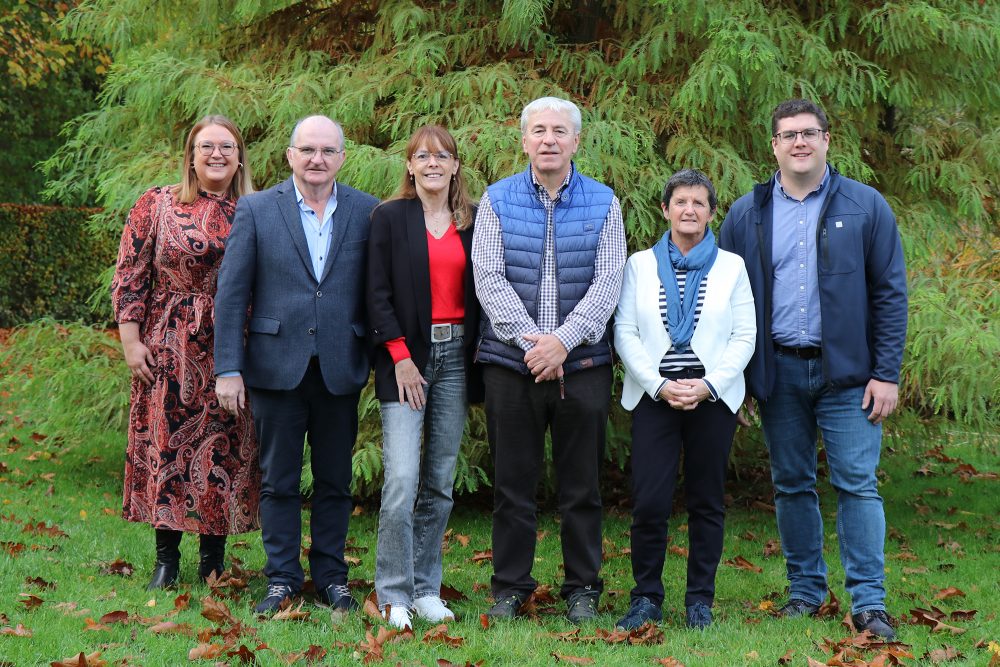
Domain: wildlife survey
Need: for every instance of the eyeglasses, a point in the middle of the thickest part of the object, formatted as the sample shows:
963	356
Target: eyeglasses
811	135
207	148
558	132
423	156
309	151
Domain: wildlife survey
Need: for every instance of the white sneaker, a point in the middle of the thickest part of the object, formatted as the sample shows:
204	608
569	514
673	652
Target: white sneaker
399	617
432	609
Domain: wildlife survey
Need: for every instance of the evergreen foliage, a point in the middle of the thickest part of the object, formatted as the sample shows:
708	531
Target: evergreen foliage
911	89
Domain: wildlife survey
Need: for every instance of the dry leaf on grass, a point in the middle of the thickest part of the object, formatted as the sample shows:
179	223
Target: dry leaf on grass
118	566
81	660
669	661
572	659
171	628
18	631
112	617
202	651
216	611
943	654
439	633
30	601
949	592
291	614
742	563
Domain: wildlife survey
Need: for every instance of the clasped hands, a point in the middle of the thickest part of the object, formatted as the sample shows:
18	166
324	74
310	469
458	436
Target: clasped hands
684	394
546	358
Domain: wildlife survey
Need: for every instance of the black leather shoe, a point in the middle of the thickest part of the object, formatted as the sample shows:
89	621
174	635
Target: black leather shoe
582	606
276	594
796	607
875	621
508	606
168	559
337	596
212	556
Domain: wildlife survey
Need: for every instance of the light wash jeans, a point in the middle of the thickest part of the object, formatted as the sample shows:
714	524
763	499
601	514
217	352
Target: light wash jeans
416	495
801	401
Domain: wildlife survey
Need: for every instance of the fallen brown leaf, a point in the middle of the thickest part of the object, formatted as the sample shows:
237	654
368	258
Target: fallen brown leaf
81	660
482	556
787	658
484	621
19	631
170	628
943	654
39	583
439	633
668	662
742	563
772	548
451	594
245	655
118	566
949	592
202	651
30	601
93	626
216	611
113	617
678	551
290	614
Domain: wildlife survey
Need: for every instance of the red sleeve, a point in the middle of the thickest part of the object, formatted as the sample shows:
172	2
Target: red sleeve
397	349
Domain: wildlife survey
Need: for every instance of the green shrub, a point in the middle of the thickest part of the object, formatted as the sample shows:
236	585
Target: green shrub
51	262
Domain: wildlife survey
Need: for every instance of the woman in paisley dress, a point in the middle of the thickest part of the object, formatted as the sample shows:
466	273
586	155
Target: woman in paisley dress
190	466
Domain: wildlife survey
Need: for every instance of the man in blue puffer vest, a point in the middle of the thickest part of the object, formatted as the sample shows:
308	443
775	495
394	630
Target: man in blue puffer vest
829	282
548	254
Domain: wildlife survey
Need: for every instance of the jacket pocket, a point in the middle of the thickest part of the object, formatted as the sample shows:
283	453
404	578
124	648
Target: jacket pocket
840	244
264	325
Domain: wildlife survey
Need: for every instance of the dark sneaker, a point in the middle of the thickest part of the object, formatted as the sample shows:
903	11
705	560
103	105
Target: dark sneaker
507	606
338	597
642	611
796	607
875	621
699	616
276	594
582	606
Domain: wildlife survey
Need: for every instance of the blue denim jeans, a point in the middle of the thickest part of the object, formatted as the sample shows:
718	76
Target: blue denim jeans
801	401
416	495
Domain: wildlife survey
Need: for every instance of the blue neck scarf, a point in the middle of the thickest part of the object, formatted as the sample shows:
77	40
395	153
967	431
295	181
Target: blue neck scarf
698	262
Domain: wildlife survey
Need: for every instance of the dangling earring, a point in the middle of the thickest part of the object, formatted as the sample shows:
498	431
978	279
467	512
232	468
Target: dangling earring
240	165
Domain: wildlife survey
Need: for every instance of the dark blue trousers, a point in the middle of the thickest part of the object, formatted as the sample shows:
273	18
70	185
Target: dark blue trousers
284	419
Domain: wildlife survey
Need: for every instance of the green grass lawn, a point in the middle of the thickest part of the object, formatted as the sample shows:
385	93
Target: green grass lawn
60	534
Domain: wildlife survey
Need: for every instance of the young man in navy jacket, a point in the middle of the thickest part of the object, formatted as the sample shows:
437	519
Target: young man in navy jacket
826	267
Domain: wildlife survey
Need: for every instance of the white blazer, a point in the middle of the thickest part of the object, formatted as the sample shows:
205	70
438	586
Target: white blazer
723	340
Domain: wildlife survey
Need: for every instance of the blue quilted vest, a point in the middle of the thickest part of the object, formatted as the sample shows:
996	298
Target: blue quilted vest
579	217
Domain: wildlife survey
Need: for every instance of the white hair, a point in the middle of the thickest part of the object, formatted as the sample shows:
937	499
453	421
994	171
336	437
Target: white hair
552	104
295	130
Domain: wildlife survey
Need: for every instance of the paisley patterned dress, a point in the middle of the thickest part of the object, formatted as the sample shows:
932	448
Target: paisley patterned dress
189	465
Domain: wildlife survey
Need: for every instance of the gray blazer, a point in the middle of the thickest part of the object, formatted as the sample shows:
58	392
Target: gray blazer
267	273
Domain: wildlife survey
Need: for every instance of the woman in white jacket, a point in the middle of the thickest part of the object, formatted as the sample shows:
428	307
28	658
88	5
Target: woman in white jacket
685	330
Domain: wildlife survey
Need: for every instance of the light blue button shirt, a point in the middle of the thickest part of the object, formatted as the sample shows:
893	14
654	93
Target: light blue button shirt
318	232
795	316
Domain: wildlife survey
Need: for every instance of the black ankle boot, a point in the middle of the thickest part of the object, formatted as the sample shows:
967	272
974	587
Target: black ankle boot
213	556
168	559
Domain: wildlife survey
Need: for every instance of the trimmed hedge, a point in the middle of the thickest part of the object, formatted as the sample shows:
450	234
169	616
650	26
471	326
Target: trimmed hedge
51	262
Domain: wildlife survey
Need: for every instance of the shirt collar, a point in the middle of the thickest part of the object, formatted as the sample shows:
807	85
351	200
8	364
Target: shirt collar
779	189
569	175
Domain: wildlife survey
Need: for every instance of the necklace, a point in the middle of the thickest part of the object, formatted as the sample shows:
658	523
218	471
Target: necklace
437	222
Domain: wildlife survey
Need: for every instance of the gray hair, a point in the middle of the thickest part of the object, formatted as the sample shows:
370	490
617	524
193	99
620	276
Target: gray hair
295	130
689	178
552	104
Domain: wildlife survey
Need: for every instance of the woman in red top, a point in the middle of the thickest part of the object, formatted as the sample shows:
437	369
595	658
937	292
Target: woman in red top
189	466
423	314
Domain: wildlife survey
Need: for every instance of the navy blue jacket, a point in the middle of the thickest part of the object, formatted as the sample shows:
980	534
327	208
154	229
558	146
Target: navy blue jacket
580	215
862	282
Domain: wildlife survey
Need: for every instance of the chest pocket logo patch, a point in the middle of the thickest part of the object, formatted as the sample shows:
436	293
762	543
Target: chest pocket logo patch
838	224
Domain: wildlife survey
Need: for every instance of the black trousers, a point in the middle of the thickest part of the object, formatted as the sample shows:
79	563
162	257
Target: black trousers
283	420
518	413
659	434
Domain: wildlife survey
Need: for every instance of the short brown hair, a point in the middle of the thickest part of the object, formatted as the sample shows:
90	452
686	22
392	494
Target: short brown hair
187	189
436	137
790	108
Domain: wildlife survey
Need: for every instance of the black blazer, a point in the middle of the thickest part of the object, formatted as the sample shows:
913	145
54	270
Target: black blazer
399	294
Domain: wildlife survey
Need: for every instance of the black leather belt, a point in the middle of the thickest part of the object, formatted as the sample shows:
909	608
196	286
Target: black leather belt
800	352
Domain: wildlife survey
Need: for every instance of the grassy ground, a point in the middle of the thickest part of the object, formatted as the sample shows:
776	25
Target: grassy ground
61	535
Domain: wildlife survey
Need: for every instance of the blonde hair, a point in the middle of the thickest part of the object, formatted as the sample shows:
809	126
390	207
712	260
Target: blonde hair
458	195
187	189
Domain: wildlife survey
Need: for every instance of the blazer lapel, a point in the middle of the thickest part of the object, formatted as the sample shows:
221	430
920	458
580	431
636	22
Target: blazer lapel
293	221
341	219
416	242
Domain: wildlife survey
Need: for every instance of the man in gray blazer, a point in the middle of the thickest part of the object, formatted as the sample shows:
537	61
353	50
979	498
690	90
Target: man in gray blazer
296	260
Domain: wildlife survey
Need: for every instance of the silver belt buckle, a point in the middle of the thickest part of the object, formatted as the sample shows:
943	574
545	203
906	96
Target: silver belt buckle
440	333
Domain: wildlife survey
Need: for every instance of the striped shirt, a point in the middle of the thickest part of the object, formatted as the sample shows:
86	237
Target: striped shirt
587	322
674	361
